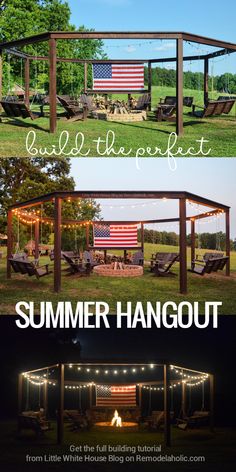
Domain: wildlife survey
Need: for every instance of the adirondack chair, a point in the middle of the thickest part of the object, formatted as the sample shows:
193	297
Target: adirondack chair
78	420
162	269
76	267
209	266
165	113
143	102
169	100
213	108
73	111
198	418
88	258
19	110
162	258
34	423
137	258
87	102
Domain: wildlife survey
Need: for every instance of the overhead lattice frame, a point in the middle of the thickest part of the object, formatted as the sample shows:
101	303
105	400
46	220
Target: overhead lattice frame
52	37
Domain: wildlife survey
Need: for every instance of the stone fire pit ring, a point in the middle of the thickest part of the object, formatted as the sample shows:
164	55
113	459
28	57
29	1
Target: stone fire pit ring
108	270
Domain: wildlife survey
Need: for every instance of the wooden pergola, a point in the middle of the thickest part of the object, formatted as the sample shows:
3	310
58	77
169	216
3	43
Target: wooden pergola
168	382
11	47
182	197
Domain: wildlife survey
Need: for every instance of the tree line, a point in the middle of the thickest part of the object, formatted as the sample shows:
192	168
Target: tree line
192	80
215	241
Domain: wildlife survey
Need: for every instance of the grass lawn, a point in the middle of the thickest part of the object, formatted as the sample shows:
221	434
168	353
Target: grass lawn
218	448
215	287
219	131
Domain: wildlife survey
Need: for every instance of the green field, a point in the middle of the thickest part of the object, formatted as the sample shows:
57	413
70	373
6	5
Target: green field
219	131
215	287
217	448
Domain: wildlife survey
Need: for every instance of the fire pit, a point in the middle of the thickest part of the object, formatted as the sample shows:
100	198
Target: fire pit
118	269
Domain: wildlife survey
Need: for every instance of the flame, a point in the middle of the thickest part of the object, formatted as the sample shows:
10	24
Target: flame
116	420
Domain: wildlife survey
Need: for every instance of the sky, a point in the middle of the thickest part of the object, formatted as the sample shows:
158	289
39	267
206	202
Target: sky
208	177
201	17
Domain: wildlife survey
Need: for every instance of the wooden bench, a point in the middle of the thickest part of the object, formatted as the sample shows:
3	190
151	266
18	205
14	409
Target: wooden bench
33	423
29	268
213	108
208	266
19	110
198	418
171	100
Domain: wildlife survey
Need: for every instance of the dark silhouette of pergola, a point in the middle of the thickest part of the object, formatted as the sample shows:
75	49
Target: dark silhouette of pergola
182	196
167	381
11	47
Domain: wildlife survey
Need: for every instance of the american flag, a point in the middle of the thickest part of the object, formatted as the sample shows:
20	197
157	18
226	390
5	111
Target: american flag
118	76
109	395
106	235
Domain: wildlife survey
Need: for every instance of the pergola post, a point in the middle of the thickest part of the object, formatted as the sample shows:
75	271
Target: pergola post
45	398
85	77
27	81
192	240
1	75
150	83
87	237
179	86
9	242
167	405
212	389
20	393
53	84
90	396
206	76
57	245
142	236
227	237
60	412
182	246
36	239
183	400
140	396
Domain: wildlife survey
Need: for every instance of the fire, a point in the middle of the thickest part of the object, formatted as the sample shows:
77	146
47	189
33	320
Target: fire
116	420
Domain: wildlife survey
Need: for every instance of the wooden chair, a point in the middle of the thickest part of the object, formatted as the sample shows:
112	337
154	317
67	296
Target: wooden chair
197	419
76	267
162	258
78	420
19	110
208	266
73	111
143	102
165	113
162	269
171	100
137	258
89	259
213	108
33	423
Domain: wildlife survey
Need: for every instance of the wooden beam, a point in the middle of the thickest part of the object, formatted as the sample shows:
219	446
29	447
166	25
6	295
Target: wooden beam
179	87
57	246
9	241
212	395
27	81
167	434
36	239
192	240
182	246
227	242
87	237
52	85
1	76
183	400
206	76
150	83
142	236
90	396
45	398
20	393
60	411
85	77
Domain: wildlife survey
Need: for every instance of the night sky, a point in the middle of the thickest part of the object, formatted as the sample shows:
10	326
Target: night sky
209	350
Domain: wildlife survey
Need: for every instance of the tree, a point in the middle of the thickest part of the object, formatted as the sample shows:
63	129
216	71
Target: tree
23	179
21	18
